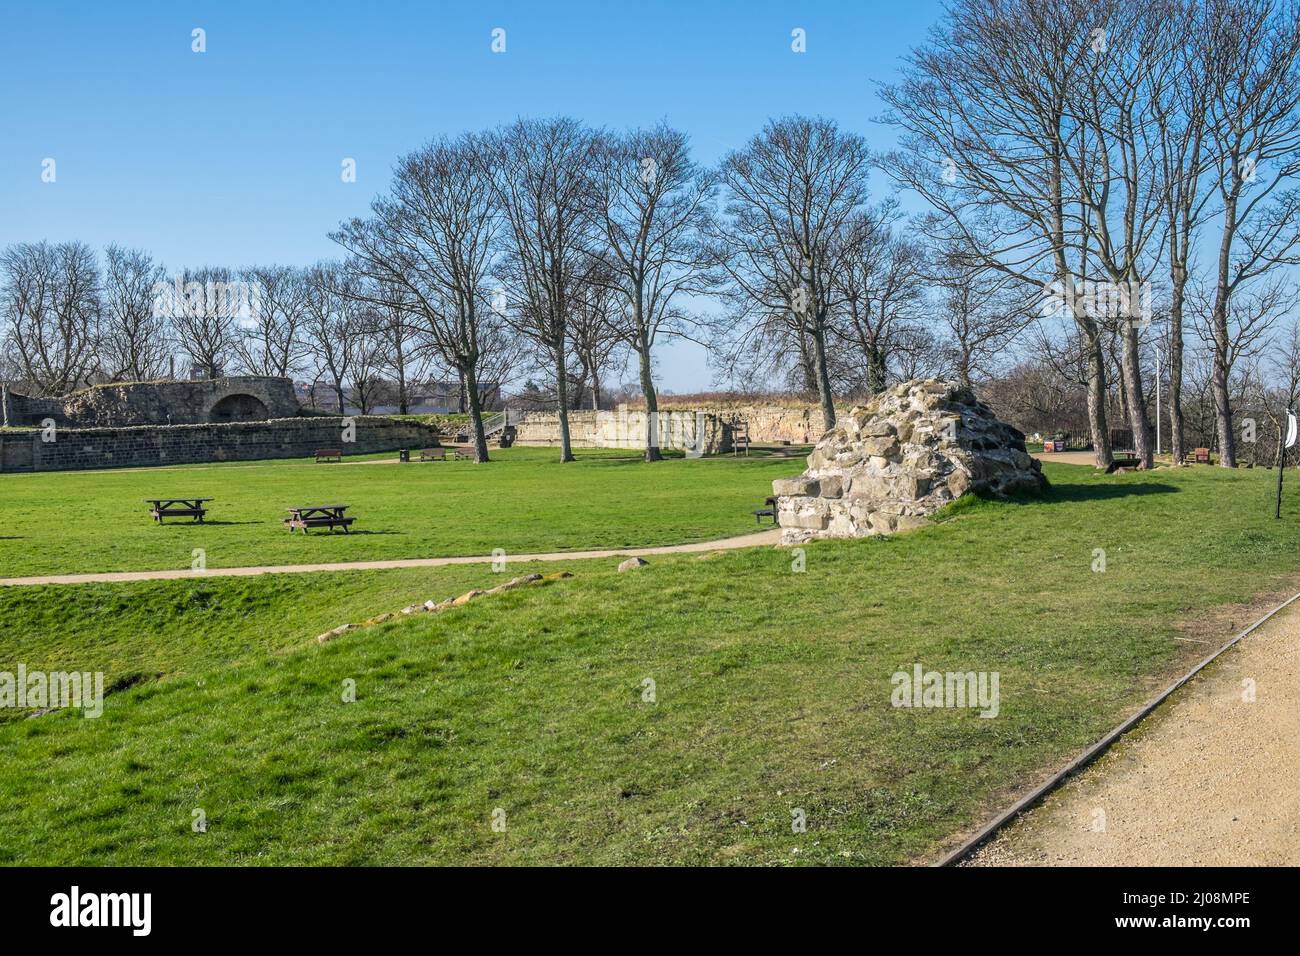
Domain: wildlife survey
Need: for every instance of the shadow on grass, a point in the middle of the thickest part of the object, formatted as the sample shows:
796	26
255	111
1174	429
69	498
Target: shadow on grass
204	524
1101	491
337	532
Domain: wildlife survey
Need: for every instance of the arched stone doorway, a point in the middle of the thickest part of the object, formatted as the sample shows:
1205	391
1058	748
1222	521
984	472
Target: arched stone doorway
239	408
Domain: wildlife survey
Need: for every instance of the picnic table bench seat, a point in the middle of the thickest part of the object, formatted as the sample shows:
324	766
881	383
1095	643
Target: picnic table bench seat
318	516
177	508
767	511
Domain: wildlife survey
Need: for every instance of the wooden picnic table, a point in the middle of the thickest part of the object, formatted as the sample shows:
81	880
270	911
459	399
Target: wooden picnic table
318	516
177	508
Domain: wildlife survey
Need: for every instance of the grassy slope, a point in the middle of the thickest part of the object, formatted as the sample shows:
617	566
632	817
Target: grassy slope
773	692
524	500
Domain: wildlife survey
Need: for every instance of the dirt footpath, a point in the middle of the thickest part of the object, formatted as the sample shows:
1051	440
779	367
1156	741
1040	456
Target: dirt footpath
755	540
1210	778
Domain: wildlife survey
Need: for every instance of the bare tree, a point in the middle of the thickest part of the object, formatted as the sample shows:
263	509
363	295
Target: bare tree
503	354
206	307
1253	104
1114	155
789	195
987	112
877	292
49	302
403	351
366	360
427	250
135	342
333	326
1179	122
918	353
594	332
767	348
1253	313
542	176
982	309
271	344
655	206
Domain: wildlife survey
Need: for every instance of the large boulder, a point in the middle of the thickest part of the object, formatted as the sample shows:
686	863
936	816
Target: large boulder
891	463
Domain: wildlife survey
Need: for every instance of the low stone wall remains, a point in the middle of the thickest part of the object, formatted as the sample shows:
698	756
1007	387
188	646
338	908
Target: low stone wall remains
61	449
624	428
769	422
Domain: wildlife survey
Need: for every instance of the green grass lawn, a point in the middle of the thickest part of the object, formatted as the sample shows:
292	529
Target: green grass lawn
772	690
523	501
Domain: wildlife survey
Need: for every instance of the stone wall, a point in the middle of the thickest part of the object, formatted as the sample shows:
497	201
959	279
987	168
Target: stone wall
626	429
234	398
769	423
146	445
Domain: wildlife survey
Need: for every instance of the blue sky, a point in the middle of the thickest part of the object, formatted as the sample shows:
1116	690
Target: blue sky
233	156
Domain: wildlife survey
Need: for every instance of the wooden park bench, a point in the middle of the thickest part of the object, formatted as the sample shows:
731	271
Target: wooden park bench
1123	459
767	511
177	508
328	454
1197	456
433	454
318	516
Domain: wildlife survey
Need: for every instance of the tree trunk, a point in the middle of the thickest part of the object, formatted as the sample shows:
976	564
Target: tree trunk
823	378
875	370
1137	408
1097	399
1120	379
807	365
963	368
475	415
338	392
1223	414
562	395
652	452
1219	322
1176	373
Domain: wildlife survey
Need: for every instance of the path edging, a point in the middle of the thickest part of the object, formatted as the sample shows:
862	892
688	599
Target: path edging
1027	802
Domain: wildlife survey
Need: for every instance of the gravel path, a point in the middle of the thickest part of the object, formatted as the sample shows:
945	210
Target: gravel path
1066	457
1209	779
769	537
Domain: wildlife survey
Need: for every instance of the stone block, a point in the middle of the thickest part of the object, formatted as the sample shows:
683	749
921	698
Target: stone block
832	486
795	487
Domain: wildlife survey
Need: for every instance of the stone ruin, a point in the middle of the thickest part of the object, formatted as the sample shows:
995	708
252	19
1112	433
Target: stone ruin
236	398
891	463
